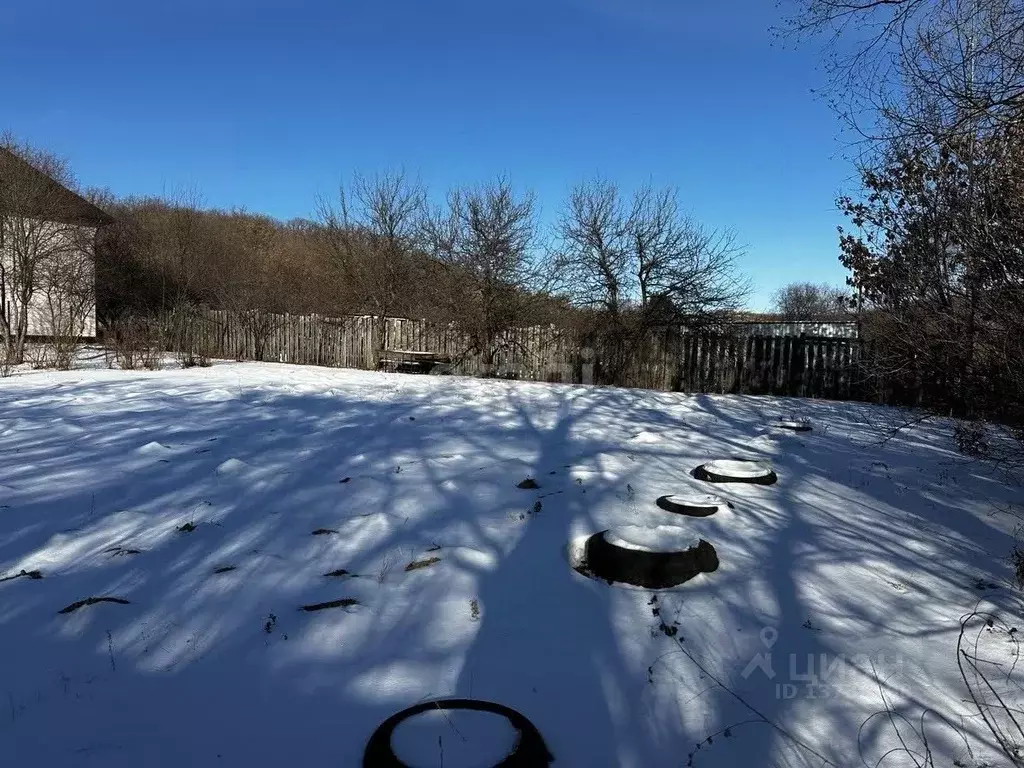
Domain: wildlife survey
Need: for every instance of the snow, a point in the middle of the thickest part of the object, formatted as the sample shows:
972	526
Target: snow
660	538
453	739
738	468
840	589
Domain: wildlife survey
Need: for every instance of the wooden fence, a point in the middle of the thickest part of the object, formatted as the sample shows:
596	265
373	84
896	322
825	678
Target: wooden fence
808	366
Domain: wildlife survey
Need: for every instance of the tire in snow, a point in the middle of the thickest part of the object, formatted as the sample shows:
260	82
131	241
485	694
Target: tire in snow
692	506
736	471
794	425
647	568
529	751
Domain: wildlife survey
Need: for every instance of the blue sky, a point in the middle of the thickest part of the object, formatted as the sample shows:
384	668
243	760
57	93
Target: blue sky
264	104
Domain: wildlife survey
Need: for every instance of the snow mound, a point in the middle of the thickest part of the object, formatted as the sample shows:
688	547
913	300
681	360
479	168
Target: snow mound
232	467
153	448
217	396
661	538
468	739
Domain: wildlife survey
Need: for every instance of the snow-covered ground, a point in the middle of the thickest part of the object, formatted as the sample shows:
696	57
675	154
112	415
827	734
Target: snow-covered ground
194	495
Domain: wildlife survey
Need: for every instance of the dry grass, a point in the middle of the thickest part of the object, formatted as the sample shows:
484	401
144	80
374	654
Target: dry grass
415	565
345	602
23	574
92	601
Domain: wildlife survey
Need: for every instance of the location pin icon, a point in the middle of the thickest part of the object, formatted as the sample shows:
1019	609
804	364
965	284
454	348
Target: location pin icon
768	636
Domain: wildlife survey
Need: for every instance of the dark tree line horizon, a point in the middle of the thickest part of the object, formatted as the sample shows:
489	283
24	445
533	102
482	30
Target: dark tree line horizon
612	265
617	268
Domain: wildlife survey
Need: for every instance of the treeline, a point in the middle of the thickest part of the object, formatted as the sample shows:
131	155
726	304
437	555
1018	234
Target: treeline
612	266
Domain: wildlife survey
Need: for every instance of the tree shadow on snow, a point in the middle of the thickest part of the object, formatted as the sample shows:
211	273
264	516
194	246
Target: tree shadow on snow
207	666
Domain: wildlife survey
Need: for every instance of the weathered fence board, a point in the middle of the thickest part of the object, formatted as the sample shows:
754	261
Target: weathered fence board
798	365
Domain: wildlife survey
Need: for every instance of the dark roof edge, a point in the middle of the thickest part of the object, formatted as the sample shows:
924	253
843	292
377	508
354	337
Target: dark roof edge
85	212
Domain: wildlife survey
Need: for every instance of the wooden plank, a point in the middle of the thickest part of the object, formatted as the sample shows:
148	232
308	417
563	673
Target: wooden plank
671	359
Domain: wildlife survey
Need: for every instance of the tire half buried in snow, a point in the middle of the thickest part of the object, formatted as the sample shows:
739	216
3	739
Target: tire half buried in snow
736	471
611	558
692	505
529	750
794	425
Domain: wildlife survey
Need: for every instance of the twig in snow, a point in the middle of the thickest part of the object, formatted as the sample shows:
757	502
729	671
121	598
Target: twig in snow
724	732
450	723
385	567
892	716
986	709
904	424
750	707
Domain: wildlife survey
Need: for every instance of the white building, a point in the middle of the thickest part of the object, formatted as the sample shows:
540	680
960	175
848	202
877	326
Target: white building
47	253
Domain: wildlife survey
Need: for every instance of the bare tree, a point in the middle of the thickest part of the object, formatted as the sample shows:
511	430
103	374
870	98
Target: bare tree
68	287
684	271
371	235
486	238
918	68
248	282
188	260
935	255
42	224
593	257
645	254
642	265
811	301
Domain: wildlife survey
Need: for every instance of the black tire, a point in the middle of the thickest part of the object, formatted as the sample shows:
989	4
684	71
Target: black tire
691	510
529	751
652	570
702	474
793	427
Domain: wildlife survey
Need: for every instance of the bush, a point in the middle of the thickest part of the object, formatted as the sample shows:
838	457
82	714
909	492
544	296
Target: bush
134	342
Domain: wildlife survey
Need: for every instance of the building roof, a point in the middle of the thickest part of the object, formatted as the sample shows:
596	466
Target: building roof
37	195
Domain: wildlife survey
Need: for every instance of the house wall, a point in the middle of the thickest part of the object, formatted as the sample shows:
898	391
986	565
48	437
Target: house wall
67	271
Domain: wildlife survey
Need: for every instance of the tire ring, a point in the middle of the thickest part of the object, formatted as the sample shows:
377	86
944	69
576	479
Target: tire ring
691	510
529	751
652	570
794	427
702	474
